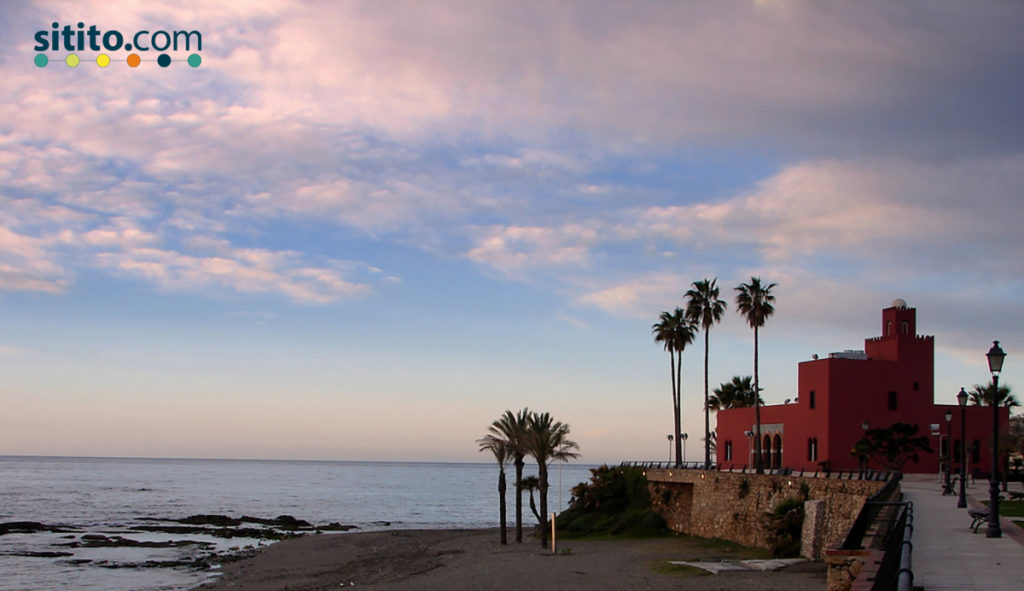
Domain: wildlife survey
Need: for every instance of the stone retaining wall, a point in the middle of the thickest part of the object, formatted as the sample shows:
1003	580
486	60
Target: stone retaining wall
730	505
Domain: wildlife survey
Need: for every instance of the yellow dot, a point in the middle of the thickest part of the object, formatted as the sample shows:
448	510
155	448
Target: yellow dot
103	60
71	60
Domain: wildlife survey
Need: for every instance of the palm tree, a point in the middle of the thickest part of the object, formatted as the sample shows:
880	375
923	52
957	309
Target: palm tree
499	447
512	428
548	440
675	332
704	308
982	396
530	484
739	393
755	301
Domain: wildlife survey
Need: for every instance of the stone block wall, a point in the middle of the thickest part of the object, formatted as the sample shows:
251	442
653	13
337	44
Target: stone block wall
730	505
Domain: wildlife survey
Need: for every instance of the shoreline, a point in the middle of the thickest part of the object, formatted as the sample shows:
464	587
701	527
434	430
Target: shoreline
473	559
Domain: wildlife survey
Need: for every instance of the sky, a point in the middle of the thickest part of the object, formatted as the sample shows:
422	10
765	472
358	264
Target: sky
362	230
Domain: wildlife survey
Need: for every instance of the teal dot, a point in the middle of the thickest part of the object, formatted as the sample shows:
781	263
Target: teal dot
42	60
194	60
164	60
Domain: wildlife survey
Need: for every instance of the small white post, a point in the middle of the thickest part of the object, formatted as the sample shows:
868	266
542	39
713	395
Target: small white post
553	533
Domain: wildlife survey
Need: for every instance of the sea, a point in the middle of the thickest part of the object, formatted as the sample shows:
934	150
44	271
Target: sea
115	497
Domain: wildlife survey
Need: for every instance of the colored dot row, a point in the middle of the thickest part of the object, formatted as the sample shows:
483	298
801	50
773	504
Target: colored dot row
103	60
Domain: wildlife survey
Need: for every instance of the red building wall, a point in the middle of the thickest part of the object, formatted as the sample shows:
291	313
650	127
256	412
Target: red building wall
890	381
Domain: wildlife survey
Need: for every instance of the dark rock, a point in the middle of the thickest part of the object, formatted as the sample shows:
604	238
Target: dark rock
217	520
236	532
101	541
289	522
281	521
98	541
40	554
31	527
335	526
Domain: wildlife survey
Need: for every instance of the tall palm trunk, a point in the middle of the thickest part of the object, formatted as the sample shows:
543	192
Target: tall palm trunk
542	473
519	498
707	411
675	398
758	460
501	503
677	405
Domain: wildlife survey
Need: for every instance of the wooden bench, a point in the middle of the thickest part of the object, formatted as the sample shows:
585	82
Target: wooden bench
979	516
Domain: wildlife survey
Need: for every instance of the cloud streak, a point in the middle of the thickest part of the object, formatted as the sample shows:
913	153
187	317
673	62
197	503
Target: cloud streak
485	131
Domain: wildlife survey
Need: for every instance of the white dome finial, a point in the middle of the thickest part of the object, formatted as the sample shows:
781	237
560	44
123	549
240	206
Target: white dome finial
899	303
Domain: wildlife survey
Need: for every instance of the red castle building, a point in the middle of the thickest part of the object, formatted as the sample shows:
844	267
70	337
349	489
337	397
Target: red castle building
890	381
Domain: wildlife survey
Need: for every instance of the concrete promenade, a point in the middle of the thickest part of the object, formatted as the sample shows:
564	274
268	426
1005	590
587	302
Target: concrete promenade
947	554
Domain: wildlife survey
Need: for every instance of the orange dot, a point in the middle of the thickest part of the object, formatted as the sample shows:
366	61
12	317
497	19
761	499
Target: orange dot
134	60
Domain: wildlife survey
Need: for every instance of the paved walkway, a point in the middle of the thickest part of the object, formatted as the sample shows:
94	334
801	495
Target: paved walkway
947	554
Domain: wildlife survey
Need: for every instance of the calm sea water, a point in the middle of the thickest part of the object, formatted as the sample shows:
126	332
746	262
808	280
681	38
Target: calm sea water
108	496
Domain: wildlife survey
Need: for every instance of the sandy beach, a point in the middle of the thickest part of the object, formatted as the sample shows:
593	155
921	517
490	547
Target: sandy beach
473	559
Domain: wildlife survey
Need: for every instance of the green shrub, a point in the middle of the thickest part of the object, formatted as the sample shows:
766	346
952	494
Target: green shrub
783	526
615	502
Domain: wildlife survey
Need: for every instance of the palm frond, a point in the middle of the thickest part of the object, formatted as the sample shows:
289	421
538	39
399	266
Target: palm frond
703	306
755	301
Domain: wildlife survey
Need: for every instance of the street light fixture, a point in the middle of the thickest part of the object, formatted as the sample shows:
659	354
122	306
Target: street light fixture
670	438
684	437
949	418
995	365
961	399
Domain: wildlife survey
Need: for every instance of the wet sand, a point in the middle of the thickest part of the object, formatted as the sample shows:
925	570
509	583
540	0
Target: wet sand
465	560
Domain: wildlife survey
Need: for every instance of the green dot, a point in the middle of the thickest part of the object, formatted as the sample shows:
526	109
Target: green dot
42	60
194	60
71	60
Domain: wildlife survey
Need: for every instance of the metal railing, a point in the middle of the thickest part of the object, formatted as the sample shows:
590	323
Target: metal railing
896	573
875	475
870	513
888	531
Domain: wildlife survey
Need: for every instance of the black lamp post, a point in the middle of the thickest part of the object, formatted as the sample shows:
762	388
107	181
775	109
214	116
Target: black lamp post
995	365
949	417
961	399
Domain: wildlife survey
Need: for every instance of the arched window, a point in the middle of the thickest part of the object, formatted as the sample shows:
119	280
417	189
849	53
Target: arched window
905	327
975	452
888	328
728	450
766	451
812	449
777	452
957	451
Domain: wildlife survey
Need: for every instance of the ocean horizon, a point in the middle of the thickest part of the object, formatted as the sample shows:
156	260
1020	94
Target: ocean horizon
115	523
